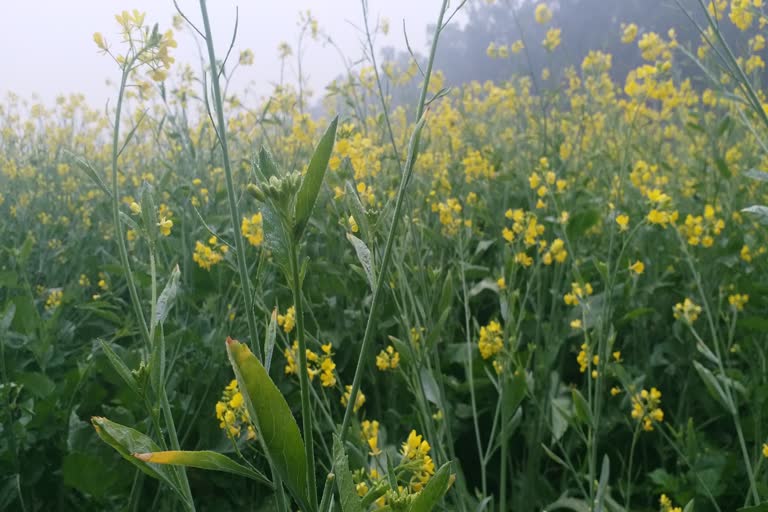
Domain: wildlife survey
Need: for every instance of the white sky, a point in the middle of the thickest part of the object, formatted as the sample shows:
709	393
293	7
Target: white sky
47	48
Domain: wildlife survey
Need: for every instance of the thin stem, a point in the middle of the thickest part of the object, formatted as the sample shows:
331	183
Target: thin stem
122	249
407	171
468	369
306	409
221	132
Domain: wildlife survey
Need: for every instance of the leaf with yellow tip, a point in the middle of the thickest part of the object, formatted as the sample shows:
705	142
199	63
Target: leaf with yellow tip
128	441
205	459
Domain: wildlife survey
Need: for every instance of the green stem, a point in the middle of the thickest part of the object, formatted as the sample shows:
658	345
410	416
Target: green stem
628	496
407	171
306	409
123	250
469	370
221	133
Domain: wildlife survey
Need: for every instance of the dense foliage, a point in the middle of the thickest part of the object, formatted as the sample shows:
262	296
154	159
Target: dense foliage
573	317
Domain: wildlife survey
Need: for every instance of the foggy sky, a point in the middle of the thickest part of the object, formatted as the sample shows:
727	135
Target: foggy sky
46	46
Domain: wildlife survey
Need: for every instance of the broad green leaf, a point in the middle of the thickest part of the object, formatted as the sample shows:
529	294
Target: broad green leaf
688	507
713	386
120	367
434	491
128	441
310	185
38	383
269	345
165	301
205	459
581	407
350	501
364	256
276	424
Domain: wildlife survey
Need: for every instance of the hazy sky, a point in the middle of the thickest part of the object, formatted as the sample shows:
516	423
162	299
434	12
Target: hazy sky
46	46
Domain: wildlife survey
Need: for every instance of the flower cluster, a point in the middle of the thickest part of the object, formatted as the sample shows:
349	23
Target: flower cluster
388	359
317	364
233	414
208	255
688	311
491	341
252	229
646	408
288	320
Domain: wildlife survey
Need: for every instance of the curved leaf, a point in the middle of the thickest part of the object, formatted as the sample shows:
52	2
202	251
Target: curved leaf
434	491
310	185
128	441
273	418
350	501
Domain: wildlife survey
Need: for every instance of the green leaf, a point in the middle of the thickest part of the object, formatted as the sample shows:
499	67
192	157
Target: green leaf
269	345
713	386
39	384
128	441
757	174
273	418
514	392
310	185
605	472
364	256
267	164
358	211
274	236
434	491
759	211
350	501
763	507
88	169
120	367
149	210
165	301
212	461
581	407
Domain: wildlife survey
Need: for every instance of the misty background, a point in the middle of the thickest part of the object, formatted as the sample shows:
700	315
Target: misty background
46	46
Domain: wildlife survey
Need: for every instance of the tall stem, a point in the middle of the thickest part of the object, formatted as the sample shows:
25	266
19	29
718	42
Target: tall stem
407	170
221	133
123	250
306	410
